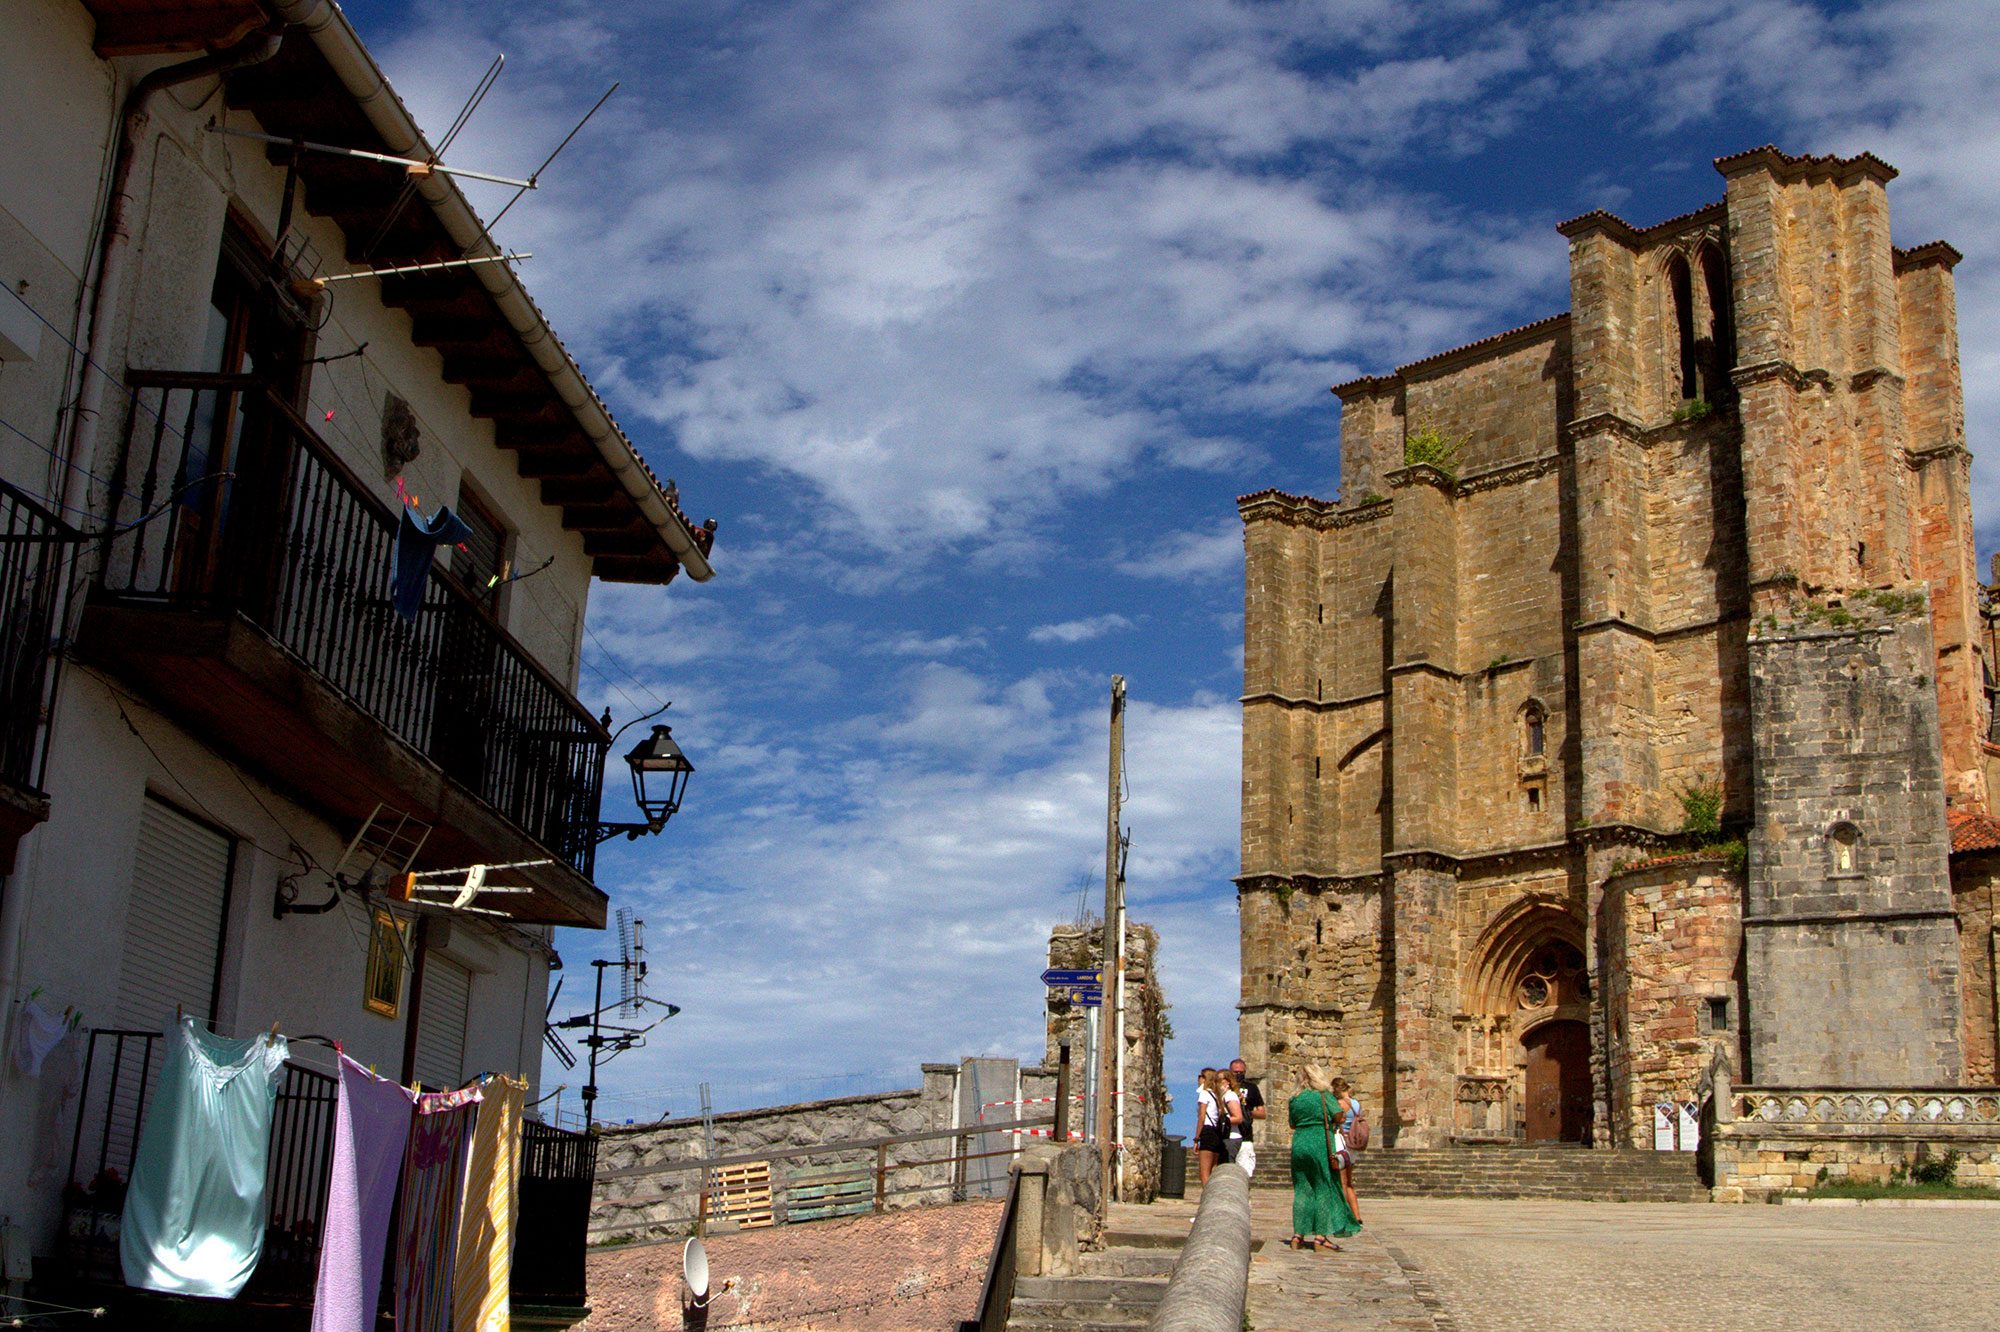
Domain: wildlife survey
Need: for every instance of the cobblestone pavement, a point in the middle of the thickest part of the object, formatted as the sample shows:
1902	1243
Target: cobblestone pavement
1360	1289
1605	1267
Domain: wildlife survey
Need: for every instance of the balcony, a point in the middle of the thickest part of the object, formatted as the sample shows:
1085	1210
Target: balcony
35	546
245	593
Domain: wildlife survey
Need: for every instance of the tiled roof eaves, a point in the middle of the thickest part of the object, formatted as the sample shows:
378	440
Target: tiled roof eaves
1973	832
1788	167
1625	233
1354	388
1524	333
1283	496
1931	252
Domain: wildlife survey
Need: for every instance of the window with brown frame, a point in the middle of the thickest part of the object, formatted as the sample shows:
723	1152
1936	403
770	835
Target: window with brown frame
386	950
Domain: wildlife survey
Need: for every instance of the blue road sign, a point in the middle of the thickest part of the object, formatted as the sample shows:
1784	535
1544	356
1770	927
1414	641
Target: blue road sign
1087	998
1060	976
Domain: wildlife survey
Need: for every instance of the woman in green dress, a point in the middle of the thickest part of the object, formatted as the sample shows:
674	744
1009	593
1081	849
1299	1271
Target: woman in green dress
1319	1208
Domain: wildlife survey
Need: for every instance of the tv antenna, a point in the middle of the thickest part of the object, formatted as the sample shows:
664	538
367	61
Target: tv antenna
631	963
380	854
557	1045
608	1040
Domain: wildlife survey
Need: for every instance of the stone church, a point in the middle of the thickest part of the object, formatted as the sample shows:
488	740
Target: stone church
1624	724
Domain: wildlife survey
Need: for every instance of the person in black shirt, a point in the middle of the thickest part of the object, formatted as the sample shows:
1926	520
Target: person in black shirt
1253	1099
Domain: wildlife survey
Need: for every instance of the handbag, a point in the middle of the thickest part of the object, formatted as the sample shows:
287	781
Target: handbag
1357	1129
1247	1158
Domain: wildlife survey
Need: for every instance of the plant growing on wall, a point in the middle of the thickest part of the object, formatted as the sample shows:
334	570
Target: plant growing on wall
1692	409
1429	446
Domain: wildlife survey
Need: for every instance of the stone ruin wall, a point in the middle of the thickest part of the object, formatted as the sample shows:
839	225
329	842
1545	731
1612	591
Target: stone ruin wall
1148	1101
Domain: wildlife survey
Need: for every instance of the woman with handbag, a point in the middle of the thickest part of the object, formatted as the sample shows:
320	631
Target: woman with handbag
1353	1138
1320	1213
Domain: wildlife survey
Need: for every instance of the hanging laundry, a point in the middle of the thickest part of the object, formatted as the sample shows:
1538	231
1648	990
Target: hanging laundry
417	540
194	1212
486	1221
371	1131
427	1229
61	1076
39	1030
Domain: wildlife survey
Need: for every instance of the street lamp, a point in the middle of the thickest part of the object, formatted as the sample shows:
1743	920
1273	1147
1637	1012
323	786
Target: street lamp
659	759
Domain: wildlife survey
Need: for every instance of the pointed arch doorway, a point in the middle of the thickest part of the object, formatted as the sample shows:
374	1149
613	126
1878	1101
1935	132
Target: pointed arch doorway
1558	1081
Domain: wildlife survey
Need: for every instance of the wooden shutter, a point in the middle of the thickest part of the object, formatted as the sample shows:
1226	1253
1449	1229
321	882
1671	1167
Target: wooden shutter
442	1007
174	920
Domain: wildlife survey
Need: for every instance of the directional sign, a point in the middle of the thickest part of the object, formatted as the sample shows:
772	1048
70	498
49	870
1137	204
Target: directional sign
1087	998
1060	976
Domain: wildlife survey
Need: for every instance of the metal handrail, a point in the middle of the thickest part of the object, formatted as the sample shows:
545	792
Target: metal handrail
247	511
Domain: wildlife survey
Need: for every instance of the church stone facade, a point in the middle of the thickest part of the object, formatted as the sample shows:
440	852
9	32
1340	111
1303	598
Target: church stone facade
1622	731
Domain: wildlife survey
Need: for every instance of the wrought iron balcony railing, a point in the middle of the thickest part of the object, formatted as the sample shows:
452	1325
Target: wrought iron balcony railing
236	506
35	549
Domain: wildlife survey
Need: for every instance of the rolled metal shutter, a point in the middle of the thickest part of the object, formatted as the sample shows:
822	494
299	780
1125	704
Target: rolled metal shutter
174	919
446	998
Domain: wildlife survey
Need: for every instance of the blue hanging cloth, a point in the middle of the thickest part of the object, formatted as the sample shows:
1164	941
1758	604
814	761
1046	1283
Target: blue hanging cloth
194	1212
417	540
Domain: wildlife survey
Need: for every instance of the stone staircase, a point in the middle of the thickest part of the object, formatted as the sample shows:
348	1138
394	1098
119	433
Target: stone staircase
1118	1288
1543	1171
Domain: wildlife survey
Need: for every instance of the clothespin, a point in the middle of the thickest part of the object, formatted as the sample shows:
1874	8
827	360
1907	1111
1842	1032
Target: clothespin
272	1039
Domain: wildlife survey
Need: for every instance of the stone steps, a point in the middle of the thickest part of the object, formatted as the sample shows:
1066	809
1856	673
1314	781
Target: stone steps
1119	1288
1564	1172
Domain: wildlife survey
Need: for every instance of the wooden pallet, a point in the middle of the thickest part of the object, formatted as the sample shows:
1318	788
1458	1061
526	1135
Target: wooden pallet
742	1193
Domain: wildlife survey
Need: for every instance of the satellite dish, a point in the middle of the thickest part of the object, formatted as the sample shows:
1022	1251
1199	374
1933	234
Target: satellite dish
694	1268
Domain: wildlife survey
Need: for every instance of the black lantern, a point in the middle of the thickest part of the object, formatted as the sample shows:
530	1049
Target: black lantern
659	778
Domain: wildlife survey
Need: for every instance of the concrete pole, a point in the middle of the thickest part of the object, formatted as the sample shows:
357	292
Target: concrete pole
1114	943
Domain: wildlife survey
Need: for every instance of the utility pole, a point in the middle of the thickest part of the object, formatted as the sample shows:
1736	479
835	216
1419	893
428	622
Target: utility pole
1114	935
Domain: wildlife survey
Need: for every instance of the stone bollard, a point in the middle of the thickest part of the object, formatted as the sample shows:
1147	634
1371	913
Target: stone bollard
1212	1279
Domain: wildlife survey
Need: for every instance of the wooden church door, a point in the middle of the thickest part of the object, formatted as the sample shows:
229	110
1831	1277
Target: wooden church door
1558	1082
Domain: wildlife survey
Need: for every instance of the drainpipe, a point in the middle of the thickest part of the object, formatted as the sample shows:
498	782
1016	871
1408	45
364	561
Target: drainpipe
113	253
116	247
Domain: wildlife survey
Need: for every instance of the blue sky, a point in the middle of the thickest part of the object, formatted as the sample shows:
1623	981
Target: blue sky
968	321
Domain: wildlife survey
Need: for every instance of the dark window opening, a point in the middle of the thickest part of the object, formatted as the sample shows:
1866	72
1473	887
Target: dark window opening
1534	730
1718	1014
1681	283
1534	797
1315	767
479	563
1718	356
1319	931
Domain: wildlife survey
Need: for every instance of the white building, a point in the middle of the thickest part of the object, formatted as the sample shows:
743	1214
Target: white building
232	693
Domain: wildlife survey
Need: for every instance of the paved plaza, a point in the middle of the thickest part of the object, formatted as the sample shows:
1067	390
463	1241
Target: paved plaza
1461	1265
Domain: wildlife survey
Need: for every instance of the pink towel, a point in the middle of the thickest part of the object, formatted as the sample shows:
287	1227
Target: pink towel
371	1127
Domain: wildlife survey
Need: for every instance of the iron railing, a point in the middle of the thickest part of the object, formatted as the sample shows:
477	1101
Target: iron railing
558	1169
238	507
121	1070
35	549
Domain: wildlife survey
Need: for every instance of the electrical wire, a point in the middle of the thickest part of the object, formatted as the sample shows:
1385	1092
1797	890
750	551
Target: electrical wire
130	394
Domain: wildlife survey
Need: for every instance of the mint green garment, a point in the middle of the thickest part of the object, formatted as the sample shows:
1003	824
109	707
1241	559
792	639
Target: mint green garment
194	1211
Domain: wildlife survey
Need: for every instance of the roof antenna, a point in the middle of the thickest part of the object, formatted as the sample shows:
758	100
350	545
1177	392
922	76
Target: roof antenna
409	190
537	174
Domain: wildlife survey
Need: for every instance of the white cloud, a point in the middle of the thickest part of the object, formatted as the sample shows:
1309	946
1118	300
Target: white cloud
1079	631
1191	555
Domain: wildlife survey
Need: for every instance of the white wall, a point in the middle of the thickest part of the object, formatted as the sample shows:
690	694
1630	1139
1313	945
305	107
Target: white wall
305	972
72	879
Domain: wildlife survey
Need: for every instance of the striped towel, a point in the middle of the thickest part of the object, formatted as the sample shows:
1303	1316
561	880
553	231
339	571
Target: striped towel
427	1229
486	1224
